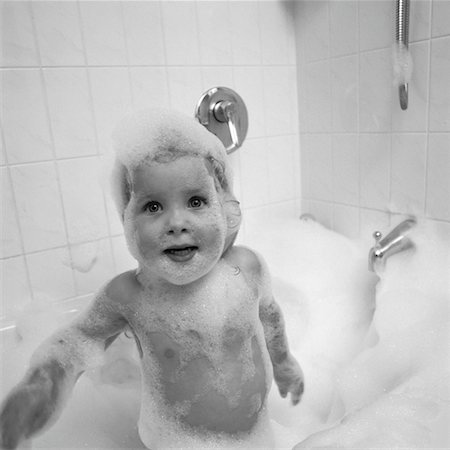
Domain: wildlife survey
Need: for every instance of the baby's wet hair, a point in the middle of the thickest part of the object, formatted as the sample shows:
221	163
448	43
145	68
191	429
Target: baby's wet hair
215	167
160	136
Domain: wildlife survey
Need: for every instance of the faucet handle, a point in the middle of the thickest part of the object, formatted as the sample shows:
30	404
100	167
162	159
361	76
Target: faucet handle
223	112
377	235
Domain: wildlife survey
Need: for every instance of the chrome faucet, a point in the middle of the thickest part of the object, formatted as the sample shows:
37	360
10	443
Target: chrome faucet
394	242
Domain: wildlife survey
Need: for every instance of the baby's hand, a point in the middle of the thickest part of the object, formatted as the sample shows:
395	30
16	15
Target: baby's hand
25	411
289	378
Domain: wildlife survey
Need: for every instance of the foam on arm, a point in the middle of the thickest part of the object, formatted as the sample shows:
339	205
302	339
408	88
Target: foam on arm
286	371
36	402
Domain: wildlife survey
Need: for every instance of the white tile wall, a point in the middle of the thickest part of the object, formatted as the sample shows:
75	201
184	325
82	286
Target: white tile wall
408	172
345	173
70	69
375	92
245	33
144	33
58	33
438	179
11	241
344	99
104	33
440	22
15	284
70	111
439	86
383	162
321	82
39	206
19	42
374	154
26	128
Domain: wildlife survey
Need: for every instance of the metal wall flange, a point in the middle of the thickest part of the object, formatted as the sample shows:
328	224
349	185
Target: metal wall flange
223	112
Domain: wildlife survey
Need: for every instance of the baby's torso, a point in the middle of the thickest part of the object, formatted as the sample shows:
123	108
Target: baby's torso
204	360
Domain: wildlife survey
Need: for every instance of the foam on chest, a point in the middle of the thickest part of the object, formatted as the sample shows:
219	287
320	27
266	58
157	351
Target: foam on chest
220	312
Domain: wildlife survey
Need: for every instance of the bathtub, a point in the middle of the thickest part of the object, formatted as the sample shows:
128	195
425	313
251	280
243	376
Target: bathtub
373	347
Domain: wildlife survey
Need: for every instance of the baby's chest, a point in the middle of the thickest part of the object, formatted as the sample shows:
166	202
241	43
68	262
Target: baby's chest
216	319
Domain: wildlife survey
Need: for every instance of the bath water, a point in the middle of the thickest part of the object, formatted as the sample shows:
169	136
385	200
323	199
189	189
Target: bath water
374	351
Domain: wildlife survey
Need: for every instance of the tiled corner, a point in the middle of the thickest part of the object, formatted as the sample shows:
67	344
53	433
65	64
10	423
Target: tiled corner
322	212
313	18
405	179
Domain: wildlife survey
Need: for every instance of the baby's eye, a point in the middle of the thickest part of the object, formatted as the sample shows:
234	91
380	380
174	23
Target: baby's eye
197	202
152	207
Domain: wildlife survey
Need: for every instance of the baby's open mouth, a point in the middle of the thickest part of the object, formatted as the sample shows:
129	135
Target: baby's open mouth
181	254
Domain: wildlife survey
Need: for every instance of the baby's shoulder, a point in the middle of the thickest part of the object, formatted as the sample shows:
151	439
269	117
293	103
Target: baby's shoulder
246	259
123	288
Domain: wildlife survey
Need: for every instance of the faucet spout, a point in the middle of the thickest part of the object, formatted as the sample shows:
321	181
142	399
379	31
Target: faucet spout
394	242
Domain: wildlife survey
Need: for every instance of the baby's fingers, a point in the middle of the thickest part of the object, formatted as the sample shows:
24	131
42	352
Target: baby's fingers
297	392
283	391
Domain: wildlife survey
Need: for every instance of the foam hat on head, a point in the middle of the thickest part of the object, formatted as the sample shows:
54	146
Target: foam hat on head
141	135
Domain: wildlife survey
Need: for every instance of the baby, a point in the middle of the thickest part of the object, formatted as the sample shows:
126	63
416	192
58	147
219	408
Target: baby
209	333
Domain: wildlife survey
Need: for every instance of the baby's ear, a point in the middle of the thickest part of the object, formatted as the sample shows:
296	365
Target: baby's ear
121	189
234	217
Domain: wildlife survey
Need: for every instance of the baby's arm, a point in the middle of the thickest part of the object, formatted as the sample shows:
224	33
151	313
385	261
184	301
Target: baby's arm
287	372
55	366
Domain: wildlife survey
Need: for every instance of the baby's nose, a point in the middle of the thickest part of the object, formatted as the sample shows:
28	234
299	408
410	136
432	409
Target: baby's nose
178	222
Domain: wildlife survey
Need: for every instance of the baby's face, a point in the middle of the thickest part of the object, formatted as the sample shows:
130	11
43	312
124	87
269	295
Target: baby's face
176	219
